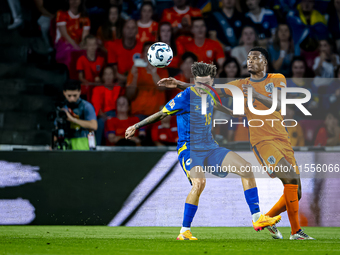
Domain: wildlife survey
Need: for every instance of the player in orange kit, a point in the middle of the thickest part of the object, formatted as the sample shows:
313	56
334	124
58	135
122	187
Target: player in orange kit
270	141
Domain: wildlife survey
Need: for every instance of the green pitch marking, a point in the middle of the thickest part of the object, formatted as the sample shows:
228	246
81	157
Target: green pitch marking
160	240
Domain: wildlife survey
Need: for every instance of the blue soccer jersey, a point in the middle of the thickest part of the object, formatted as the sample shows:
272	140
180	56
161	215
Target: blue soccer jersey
194	128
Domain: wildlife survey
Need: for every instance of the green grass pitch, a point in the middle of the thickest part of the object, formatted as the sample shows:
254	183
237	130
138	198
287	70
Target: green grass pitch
160	240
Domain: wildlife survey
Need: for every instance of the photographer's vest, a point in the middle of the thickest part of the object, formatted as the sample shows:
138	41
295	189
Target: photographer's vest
76	131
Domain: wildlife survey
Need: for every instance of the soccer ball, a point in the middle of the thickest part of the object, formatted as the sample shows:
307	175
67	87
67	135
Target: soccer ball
160	54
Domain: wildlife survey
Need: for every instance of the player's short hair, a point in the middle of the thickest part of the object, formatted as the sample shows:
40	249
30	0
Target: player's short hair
263	51
71	85
203	69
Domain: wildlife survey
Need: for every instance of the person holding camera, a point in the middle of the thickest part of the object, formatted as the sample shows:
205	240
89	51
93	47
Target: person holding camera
81	117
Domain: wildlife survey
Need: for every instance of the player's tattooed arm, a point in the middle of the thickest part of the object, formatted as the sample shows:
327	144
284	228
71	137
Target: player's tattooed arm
173	83
149	120
267	101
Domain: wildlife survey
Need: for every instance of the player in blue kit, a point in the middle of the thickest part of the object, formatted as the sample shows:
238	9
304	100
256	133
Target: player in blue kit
198	151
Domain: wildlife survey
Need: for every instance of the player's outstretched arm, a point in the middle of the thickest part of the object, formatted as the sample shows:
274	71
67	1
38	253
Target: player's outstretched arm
267	101
149	120
172	83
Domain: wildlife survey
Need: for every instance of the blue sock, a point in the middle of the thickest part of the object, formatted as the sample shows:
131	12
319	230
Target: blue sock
189	213
252	198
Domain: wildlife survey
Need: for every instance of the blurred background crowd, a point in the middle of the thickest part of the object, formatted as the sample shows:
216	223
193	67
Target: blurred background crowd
103	46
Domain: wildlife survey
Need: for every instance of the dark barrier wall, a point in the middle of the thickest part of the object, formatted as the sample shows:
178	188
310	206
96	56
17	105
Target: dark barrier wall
76	188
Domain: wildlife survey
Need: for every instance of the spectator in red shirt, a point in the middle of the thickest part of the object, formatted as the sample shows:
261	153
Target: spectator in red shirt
72	28
166	35
104	100
123	52
104	97
328	135
90	65
205	49
165	132
180	14
142	89
147	28
112	29
115	127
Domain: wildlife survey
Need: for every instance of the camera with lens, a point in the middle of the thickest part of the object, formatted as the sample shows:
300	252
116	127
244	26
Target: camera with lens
61	127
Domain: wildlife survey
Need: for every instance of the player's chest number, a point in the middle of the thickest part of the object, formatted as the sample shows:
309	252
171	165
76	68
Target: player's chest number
208	118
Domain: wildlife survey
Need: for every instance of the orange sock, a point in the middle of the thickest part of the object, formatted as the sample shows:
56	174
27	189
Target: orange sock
290	192
278	208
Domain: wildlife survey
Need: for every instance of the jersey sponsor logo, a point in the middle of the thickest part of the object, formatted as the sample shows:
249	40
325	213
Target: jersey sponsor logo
209	53
188	162
172	104
269	87
197	108
98	67
271	160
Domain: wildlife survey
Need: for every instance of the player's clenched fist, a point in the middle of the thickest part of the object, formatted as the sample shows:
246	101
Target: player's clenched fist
130	132
169	82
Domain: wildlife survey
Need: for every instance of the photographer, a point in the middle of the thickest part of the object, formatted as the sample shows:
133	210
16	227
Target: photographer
80	118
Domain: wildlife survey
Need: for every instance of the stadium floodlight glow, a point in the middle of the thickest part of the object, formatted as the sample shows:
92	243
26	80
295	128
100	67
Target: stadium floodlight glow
238	100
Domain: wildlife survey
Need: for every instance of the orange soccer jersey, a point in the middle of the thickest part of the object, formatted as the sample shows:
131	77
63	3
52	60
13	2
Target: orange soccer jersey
90	68
175	16
210	51
74	25
105	99
268	137
147	32
124	58
149	96
270	130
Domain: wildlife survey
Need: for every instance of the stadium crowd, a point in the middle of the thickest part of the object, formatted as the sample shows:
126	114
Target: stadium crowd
104	46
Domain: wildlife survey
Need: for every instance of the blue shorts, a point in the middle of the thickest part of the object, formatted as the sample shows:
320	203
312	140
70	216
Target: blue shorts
212	158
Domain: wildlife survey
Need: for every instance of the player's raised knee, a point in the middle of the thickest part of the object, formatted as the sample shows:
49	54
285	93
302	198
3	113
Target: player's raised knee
198	184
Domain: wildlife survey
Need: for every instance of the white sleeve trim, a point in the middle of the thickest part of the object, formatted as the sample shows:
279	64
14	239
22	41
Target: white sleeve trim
62	23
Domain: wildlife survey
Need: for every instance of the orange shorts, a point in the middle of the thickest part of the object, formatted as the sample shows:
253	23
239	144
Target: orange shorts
269	153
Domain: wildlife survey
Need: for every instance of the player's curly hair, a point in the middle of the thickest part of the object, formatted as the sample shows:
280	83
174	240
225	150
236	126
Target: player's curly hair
203	69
